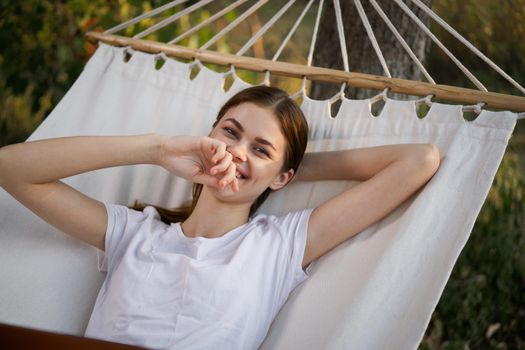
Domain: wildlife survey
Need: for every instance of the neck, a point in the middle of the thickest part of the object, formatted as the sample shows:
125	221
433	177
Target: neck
213	218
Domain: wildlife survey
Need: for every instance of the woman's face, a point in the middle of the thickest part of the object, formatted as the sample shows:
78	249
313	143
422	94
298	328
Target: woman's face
253	136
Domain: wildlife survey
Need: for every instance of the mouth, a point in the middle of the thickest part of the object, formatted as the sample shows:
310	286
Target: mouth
240	174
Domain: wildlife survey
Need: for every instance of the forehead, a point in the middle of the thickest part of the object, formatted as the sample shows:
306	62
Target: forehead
257	122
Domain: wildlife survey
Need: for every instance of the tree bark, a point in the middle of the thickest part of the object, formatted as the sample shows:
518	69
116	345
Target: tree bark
361	55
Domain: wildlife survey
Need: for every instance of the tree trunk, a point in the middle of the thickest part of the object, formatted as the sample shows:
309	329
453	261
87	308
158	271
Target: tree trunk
361	55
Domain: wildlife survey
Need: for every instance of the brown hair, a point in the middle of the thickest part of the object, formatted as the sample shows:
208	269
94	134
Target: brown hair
293	126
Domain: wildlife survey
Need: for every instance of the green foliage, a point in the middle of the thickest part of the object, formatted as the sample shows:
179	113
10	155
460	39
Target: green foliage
36	66
43	52
496	28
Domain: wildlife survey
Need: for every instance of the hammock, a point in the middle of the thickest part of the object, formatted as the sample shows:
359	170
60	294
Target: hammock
374	291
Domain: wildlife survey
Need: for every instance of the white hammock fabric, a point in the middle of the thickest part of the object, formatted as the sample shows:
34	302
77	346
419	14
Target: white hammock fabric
374	291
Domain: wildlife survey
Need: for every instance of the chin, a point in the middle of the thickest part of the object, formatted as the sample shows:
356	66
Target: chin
227	195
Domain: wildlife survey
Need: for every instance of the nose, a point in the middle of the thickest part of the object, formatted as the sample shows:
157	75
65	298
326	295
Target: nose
238	151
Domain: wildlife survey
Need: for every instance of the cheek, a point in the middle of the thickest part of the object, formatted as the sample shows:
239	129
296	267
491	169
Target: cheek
214	133
265	171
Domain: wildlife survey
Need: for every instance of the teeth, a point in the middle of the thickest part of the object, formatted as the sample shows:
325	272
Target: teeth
239	175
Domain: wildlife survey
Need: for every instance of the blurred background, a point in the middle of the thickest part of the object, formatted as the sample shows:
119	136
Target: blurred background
43	51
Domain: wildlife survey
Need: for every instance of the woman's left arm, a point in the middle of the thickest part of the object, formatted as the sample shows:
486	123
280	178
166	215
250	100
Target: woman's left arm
389	175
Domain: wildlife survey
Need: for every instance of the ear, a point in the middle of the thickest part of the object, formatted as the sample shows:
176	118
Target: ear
282	179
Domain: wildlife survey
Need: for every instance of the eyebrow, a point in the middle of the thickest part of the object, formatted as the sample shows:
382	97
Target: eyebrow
258	139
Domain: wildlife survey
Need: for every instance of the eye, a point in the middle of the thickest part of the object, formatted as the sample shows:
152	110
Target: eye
231	132
262	150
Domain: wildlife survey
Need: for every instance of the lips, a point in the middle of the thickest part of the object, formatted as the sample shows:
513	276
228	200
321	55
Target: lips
241	174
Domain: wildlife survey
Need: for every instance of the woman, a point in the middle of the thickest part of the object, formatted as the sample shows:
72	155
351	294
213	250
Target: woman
217	274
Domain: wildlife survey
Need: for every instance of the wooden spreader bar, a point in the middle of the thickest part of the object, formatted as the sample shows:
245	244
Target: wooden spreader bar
360	80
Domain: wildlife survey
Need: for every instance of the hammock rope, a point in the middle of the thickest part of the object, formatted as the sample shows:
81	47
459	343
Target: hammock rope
291	32
234	24
171	19
458	63
402	41
302	91
341	34
146	15
372	37
344	51
467	43
427	91
266	26
207	21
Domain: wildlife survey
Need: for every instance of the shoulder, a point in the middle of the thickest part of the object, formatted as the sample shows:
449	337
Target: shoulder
284	222
292	231
119	209
124	217
127	227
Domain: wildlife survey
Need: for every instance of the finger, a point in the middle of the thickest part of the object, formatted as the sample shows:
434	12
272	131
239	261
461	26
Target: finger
207	180
223	164
235	185
218	152
229	175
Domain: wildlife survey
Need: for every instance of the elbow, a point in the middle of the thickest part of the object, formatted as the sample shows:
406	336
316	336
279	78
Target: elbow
429	158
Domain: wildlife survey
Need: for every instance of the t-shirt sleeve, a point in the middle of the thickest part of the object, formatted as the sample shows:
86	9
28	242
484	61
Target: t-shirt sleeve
123	223
294	229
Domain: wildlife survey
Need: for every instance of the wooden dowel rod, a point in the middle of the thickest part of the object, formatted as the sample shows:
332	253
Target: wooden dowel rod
361	80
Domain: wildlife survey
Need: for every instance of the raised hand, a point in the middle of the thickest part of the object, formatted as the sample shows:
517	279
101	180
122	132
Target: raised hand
201	160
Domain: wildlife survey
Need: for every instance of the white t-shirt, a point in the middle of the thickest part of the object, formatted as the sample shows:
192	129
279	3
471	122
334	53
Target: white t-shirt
164	290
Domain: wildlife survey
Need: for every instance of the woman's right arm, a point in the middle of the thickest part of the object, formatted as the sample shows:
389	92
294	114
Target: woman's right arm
30	172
